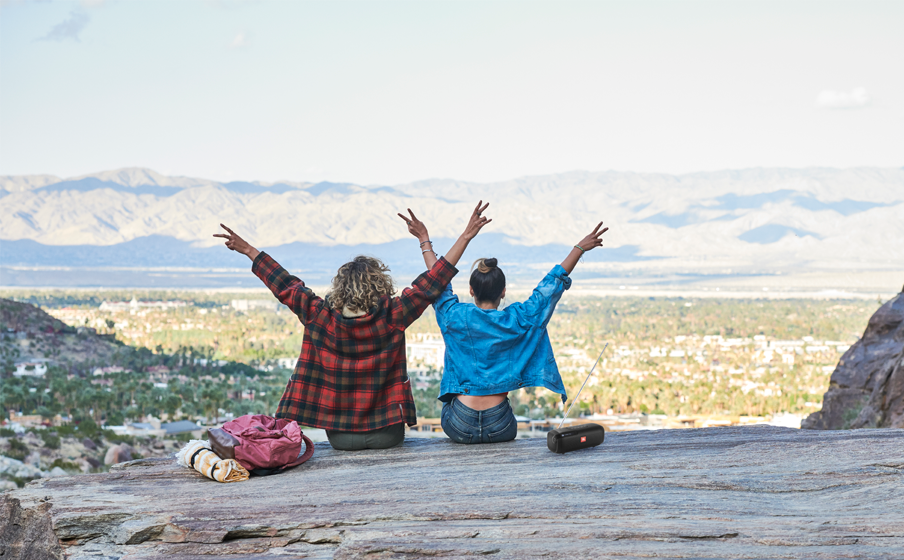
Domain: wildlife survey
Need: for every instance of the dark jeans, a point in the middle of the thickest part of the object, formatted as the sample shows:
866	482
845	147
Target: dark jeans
381	438
466	425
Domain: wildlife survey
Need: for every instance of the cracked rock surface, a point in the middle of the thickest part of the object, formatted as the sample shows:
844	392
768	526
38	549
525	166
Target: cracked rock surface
738	492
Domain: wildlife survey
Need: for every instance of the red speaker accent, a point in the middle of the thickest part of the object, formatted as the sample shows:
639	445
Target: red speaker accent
575	437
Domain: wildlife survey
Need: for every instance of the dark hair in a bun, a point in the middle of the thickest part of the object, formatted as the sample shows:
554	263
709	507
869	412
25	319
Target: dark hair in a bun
487	280
485	265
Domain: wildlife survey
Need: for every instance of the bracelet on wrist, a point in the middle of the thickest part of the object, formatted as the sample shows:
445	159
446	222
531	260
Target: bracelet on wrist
425	242
429	251
581	249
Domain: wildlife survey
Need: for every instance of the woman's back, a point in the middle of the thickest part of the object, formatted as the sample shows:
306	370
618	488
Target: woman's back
350	374
491	351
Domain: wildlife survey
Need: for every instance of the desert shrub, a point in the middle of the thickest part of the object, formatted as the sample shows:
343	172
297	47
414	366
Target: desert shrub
848	417
17	449
113	437
51	440
66	430
21	482
65	465
88	427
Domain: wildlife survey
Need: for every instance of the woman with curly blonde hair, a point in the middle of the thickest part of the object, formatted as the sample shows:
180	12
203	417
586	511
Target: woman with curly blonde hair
350	378
359	284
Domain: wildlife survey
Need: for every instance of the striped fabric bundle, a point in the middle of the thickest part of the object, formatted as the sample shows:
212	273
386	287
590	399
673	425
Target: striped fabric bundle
197	455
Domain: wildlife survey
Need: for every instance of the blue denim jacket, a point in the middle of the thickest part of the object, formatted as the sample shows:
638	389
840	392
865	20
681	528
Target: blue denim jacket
495	351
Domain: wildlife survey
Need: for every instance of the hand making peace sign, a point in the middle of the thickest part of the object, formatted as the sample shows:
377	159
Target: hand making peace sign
594	238
237	244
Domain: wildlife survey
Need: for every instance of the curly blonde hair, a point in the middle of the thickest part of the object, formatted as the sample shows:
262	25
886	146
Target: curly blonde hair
360	284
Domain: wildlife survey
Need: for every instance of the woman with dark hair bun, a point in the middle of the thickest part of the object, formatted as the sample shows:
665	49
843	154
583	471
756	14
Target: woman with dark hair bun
490	352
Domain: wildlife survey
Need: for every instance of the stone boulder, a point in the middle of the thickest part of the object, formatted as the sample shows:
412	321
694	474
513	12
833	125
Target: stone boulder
733	492
18	469
866	389
118	454
56	471
34	458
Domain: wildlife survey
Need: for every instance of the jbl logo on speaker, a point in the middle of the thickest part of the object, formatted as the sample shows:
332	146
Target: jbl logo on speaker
575	437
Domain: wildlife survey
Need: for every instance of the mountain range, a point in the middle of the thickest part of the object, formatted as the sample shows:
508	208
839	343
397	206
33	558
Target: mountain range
742	221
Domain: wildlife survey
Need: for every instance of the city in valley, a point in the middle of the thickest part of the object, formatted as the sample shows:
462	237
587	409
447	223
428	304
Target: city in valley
195	358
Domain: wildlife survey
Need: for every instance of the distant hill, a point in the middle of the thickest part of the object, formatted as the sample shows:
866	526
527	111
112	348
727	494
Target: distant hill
27	332
314	262
742	220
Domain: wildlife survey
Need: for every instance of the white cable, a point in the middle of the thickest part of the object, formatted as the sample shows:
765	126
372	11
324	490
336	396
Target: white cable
575	399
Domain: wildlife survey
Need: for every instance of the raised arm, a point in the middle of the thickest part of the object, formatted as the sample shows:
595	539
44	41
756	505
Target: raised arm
287	288
419	230
430	285
591	241
538	308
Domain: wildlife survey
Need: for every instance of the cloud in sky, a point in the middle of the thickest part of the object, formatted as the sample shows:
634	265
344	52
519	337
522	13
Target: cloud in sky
856	98
69	28
241	40
4	3
84	3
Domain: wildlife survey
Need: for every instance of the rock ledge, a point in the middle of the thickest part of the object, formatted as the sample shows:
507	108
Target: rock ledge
740	492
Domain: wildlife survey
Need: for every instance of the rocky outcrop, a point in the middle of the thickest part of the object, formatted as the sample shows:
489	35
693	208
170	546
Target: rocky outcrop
737	492
866	389
27	533
27	331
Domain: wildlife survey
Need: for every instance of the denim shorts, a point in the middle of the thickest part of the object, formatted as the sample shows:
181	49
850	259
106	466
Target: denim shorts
466	425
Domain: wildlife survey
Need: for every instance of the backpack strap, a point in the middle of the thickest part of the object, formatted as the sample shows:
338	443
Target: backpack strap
308	452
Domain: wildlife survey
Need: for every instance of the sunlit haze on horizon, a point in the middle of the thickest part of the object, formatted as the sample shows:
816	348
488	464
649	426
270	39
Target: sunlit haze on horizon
391	92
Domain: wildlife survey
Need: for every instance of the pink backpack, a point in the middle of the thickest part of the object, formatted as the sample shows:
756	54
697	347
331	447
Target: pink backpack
262	444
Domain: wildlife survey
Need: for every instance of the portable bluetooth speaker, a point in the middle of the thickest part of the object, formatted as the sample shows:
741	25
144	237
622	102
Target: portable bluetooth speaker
575	437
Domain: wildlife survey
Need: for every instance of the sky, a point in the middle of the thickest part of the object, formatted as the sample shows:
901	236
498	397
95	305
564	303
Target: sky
382	92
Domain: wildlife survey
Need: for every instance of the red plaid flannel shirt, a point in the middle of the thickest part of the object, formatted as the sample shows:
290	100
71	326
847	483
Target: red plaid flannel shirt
351	375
